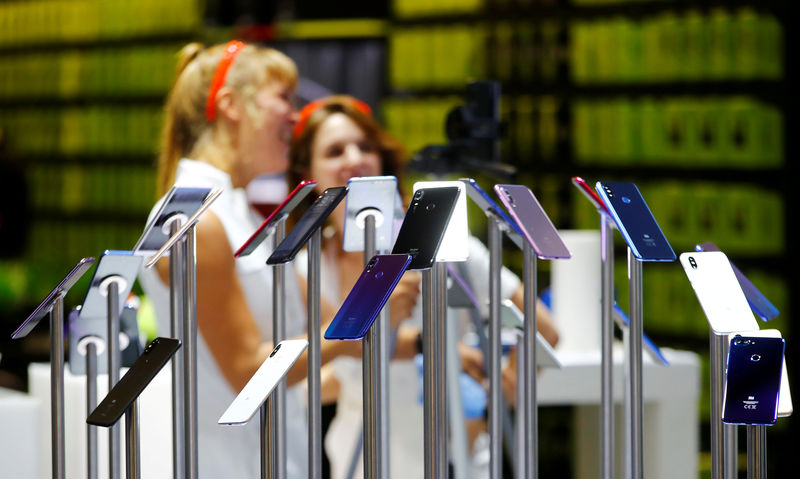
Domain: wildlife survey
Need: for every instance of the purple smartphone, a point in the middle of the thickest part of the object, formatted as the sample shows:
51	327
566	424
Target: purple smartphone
753	380
368	296
533	221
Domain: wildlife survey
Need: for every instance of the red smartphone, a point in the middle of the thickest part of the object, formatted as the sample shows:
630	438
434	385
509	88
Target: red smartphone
589	192
289	204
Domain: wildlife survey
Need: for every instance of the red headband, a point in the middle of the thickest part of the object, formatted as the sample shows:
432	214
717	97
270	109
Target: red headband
232	50
312	107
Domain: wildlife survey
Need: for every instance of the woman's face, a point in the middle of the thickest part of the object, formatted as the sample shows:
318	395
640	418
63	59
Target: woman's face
272	118
340	151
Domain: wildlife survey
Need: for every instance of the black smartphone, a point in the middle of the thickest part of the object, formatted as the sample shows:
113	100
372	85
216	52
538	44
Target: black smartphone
424	225
322	207
154	357
753	380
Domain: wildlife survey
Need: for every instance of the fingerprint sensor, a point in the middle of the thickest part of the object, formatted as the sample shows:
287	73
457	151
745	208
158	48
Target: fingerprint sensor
379	274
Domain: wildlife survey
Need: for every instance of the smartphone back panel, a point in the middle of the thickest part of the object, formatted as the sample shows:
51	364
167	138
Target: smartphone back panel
785	407
753	380
487	204
313	219
424	225
718	292
179	200
590	194
263	382
368	296
533	221
365	194
635	222
454	244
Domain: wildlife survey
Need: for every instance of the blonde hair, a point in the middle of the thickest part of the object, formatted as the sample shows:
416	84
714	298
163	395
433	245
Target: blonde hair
186	129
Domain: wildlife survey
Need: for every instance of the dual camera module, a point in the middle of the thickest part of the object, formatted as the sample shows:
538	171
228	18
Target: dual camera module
692	262
278	347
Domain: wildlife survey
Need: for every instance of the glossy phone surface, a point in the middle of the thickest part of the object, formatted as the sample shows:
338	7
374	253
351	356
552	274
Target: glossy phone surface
368	296
652	349
718	292
369	194
759	303
84	330
44	307
533	221
512	317
154	357
634	221
454	244
487	204
753	380
122	267
785	407
263	382
313	219
284	209
589	193
424	225
179	200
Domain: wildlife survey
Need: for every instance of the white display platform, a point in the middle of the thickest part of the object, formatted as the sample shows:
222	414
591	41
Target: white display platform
19	434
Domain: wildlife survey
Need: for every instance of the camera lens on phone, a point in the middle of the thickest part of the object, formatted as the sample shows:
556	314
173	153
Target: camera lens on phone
275	350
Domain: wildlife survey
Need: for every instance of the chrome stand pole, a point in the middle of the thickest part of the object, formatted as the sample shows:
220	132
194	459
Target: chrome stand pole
607	339
635	377
190	354
495	351
132	452
314	358
176	288
57	387
114	362
756	452
91	404
530	446
276	405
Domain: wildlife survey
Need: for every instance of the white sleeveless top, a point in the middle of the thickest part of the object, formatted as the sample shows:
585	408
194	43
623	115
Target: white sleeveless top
226	451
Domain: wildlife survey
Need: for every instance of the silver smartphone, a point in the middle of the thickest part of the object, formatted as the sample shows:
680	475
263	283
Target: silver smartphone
178	204
512	317
454	246
785	407
376	195
260	386
718	292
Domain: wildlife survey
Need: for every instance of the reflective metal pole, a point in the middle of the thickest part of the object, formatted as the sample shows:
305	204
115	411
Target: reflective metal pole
190	355
427	373
756	452
57	387
635	353
373	436
314	358
724	437
730	432
531	440
277	402
91	403
440	366
267	445
114	362
495	346
607	339
132	453
176	288
520	458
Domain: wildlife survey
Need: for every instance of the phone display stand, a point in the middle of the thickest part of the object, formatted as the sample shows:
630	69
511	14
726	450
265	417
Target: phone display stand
607	340
756	452
495	349
633	371
54	305
314	357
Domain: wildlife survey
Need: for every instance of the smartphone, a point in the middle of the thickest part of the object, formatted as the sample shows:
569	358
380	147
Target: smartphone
533	221
313	219
284	209
512	317
424	225
718	292
753	380
652	349
590	194
263	382
179	203
785	407
368	296
635	221
83	331
45	306
454	246
154	357
487	204
366	195
759	303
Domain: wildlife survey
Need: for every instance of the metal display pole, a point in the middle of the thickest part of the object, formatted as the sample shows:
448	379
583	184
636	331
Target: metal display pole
267	444
635	430
495	386
439	360
91	404
314	358
276	404
724	437
435	417
756	452
519	424
607	339
132	452
114	362
57	386
176	288
530	446
190	354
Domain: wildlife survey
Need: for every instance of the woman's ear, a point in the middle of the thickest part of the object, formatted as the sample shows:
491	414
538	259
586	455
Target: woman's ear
228	104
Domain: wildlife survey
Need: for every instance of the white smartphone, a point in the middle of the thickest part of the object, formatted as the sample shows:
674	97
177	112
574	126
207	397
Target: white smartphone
785	407
260	386
718	291
454	244
370	194
512	317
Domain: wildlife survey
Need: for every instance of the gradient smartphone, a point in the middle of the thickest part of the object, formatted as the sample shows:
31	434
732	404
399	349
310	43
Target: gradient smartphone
487	204
369	194
284	209
785	407
263	382
179	204
759	303
454	245
533	221
590	194
154	357
634	221
44	307
623	322
424	225
753	380
512	317
313	219
718	292
368	296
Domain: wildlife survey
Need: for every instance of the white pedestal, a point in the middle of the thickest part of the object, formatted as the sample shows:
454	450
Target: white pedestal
20	448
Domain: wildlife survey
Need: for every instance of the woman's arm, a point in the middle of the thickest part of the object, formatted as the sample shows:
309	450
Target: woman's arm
544	324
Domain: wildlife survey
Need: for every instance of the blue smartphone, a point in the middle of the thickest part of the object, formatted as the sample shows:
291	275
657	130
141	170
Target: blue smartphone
755	298
634	221
753	380
368	296
487	204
